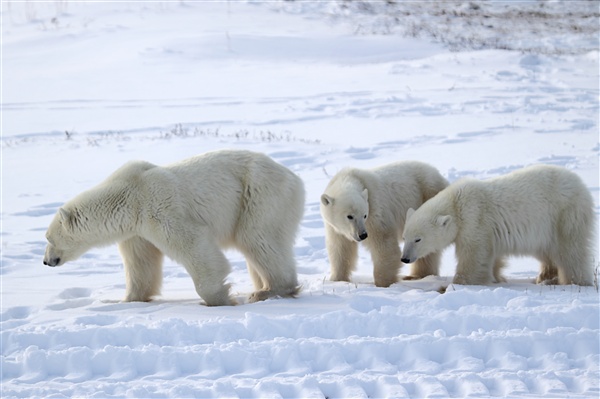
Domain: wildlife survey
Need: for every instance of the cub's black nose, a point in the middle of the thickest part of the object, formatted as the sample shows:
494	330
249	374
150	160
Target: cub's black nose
405	260
363	236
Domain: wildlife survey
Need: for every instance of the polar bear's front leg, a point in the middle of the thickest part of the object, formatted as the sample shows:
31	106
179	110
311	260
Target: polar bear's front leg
386	255
426	266
475	264
143	269
342	253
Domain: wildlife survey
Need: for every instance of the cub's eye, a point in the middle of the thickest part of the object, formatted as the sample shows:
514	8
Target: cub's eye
350	217
418	240
365	216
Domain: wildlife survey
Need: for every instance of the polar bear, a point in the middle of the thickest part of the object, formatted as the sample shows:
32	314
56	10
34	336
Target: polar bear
189	211
369	206
542	211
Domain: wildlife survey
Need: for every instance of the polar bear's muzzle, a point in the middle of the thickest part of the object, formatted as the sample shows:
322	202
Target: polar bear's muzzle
52	262
360	231
408	255
53	257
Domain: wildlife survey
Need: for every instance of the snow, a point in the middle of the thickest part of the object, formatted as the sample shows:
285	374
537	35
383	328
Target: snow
87	86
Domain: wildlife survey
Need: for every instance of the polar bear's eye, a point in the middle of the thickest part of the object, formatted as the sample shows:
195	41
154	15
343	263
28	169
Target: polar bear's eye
365	216
418	240
350	217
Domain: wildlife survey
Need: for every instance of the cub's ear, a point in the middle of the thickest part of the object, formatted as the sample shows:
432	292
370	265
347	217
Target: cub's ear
326	200
443	221
409	213
365	194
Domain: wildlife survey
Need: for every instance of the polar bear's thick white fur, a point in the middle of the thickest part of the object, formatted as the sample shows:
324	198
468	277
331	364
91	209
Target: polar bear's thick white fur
370	206
541	211
190	211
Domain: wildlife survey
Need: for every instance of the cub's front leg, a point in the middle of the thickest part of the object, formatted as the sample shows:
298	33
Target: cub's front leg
342	253
386	255
475	264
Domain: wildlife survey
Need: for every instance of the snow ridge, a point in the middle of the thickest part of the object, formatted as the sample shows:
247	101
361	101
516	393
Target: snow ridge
406	342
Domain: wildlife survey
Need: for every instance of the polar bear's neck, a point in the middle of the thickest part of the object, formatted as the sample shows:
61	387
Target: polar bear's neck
358	180
106	213
443	203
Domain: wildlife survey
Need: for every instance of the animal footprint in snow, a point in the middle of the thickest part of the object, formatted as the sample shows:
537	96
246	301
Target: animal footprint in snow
72	298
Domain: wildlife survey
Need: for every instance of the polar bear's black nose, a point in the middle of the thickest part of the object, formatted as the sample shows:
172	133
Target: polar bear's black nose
363	236
52	262
405	260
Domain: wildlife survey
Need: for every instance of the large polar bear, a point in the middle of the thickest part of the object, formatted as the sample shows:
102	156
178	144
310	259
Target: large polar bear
541	211
189	211
369	206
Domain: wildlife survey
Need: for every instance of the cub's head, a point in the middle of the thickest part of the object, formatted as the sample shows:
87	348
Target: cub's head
347	213
62	236
425	233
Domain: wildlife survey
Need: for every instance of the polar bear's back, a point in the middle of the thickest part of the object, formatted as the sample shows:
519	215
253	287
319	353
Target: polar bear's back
542	185
221	188
233	172
408	184
527	208
403	174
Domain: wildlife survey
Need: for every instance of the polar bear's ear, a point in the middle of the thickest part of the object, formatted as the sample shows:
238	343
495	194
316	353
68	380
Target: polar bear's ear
443	221
365	194
326	200
66	216
409	213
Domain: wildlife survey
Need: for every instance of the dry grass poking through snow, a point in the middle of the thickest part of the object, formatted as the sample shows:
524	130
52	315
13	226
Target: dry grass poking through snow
481	24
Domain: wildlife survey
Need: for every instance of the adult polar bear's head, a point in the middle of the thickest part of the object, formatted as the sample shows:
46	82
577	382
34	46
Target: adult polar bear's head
425	233
347	212
64	239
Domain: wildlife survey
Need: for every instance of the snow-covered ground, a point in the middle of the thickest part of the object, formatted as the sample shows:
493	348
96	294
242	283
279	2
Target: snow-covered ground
87	86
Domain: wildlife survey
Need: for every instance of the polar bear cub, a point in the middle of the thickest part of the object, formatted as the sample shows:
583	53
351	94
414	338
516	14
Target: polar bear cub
190	211
369	206
541	211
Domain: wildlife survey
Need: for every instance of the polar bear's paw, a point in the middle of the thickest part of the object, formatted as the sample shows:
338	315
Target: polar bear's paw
258	296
